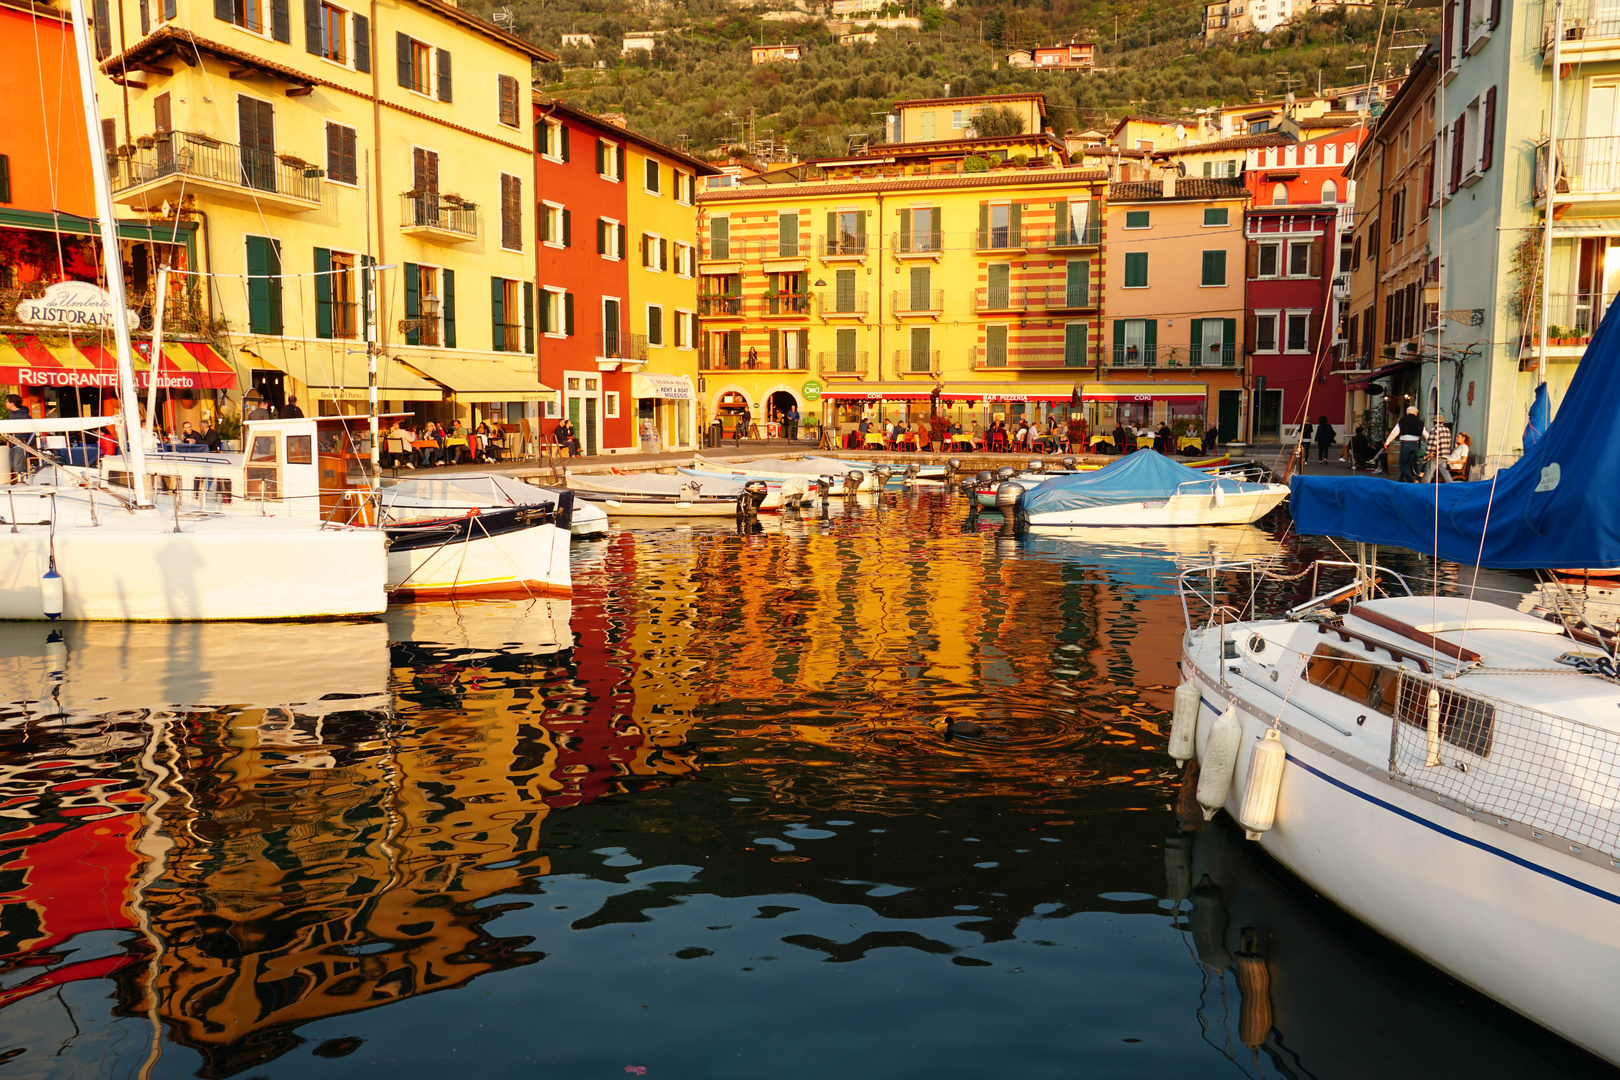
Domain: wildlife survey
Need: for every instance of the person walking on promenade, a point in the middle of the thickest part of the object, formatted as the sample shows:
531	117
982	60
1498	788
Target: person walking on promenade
1408	431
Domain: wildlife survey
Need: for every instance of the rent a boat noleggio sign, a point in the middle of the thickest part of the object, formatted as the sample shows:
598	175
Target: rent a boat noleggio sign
74	305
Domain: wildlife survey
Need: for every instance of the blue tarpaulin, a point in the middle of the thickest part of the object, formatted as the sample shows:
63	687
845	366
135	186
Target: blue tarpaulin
1556	507
1540	414
1144	476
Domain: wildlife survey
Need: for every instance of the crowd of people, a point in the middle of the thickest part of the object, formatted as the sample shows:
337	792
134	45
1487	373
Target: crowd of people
404	447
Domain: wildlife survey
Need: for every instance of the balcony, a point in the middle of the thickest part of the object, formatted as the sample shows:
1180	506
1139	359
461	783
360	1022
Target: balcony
1341	286
1589	26
720	306
916	361
1134	356
779	249
716	249
1069	238
432	217
843	247
182	161
780	304
617	345
1174	356
918	245
849	305
984	360
1573	315
842	365
1010	298
1587	167
918	301
1002	238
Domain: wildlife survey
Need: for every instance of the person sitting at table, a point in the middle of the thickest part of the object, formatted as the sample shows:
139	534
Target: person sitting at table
978	435
489	449
207	436
432	453
1122	437
186	434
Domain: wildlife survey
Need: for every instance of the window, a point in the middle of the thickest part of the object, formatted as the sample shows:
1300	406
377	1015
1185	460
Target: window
340	154
429	309
1355	255
416	66
1299	326
654	252
259	16
1135	342
264	285
958	119
995	346
720	238
506	101
552	301
1259	127
101	23
1267	259
1136	219
610	238
612	329
685	259
1001	225
1074	344
787	235
652	179
511	306
655	324
1265	332
1299	259
1215	215
610	404
1330	192
256	131
1077	283
846	358
998	286
551	140
556	225
685	187
335	314
5	178
609	160
1279	195
331	37
685	329
919	229
511	212
1136	269
1214	269
846	232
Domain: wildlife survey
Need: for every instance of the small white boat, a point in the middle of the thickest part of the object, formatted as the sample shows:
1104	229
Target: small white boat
429	496
519	551
652	494
784	469
1146	489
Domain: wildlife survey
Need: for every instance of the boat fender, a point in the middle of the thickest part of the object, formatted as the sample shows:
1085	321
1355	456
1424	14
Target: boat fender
1220	494
1184	724
1259	808
1178	868
1209	924
1219	761
1254	986
52	593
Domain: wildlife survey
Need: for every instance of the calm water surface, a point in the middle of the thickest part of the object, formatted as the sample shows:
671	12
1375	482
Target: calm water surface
697	822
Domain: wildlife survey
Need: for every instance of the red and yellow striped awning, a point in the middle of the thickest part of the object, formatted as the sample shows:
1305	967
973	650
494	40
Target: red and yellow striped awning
186	365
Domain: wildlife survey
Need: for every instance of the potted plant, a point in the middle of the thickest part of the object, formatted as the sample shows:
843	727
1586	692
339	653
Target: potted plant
939	430
229	426
146	142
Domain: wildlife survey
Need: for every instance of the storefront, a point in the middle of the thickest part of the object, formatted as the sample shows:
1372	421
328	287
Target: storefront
663	410
79	379
1184	406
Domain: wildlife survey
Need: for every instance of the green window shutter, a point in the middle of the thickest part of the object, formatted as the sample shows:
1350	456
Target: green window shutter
920	281
568	226
1060	222
776	349
312	27
601	158
264	293
564	154
568	314
1197	335
1074	345
787	234
846	350
935	228
984	224
1150	335
1136	219
402	52
832	230
1214	271
5	178
845	284
623	242
998	278
362	43
323	293
444	75
1119	333
621	162
1015	221
804	348
663	254
281	21
905	229
224	10
995	346
528	317
1215	215
601	237
447	307
1136	269
1077	283
1209	170
413	302
860	230
497	314
1229	330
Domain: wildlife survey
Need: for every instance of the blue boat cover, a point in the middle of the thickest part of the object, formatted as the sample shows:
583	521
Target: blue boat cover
1144	476
1556	507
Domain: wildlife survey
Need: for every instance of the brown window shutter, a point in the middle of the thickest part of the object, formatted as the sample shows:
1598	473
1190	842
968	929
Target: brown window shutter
1254	264
1448	23
1487	134
1457	153
1313	330
334	150
1315	267
1496	13
1251	327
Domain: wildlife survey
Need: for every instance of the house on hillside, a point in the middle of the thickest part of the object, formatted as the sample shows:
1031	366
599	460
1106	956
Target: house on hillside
1223	157
930	119
1021	58
775	54
579	41
643	40
1075	56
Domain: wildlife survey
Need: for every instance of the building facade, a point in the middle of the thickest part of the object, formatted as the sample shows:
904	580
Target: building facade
617	277
1292	254
1174	297
310	154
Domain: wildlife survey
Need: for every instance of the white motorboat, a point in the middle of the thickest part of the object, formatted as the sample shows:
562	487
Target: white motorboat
1144	489
653	494
417	497
784	469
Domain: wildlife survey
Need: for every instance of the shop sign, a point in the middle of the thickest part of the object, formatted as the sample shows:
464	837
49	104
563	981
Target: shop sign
1006	397
812	390
98	378
73	304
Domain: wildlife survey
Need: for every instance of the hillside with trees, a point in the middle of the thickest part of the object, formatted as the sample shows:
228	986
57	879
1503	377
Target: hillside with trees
697	88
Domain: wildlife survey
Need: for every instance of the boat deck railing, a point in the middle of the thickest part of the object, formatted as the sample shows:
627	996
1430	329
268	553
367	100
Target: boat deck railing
1221	592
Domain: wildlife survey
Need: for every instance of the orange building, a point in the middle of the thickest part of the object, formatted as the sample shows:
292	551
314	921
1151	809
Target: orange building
44	161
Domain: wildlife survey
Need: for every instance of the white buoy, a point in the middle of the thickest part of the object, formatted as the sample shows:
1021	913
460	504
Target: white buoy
1184	723
1220	494
52	593
1260	788
1220	759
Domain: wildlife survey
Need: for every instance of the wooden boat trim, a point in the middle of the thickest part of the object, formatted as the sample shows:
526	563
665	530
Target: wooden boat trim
1422	637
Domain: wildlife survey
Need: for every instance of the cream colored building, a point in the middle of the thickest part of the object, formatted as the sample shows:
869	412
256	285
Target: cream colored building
950	118
397	136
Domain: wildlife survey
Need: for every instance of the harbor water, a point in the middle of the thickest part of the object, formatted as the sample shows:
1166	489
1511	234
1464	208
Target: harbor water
697	823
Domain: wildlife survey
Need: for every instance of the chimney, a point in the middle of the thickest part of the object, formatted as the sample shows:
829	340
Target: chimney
1170	183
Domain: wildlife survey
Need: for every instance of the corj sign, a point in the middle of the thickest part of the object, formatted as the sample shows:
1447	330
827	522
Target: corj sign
73	304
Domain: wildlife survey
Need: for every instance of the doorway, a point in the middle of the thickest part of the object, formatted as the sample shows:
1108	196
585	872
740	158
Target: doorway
1231	409
271	386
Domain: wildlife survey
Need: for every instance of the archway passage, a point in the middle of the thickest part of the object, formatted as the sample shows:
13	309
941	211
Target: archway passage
777	409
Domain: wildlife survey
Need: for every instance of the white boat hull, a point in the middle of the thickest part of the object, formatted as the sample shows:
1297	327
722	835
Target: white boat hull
1525	922
532	561
134	566
657	508
1196	509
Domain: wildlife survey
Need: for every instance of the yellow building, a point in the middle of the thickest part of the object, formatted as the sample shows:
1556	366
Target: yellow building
1153	133
933	119
309	149
890	277
1175	301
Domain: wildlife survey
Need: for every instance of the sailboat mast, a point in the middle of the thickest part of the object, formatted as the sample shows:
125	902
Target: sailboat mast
1550	184
111	257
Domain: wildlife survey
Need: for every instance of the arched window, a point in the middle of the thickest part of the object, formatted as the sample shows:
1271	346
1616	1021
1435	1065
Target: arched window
1279	195
1330	192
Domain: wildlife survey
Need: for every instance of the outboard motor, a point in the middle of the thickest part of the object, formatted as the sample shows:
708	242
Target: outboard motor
1036	465
689	491
952	467
882	472
823	485
913	471
970	488
1005	473
756	490
984	478
1068	463
1008	494
794	493
853	480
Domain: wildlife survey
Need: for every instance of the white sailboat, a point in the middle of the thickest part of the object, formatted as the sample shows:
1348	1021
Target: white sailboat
81	549
1444	768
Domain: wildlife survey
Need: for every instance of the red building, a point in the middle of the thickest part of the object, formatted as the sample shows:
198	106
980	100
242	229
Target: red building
1297	228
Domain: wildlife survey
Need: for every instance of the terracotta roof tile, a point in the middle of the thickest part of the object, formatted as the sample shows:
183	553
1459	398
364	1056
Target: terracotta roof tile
1186	188
905	183
1236	142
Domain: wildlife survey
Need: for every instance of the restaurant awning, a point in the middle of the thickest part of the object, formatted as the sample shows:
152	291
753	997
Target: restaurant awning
1379	372
185	365
669	387
480	380
1605	226
335	372
1145	391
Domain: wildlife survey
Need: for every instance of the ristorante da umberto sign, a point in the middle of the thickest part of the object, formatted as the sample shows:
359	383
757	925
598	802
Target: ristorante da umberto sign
74	305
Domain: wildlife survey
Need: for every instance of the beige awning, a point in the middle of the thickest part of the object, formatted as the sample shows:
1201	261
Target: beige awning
673	387
336	371
481	380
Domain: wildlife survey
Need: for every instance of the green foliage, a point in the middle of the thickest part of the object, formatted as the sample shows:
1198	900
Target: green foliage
993	160
1020	160
975	163
932	19
998	121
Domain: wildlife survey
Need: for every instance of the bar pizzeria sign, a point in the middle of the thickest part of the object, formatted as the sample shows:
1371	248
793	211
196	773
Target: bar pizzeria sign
74	305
